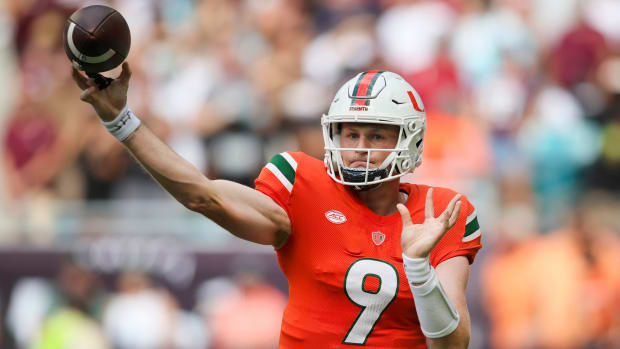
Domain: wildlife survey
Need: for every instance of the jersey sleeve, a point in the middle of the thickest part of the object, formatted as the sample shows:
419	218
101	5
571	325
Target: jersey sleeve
277	179
463	239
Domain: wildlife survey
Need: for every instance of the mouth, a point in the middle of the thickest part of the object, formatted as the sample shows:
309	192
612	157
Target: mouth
360	164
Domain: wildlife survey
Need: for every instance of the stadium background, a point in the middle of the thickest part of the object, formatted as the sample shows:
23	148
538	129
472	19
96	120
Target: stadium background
523	103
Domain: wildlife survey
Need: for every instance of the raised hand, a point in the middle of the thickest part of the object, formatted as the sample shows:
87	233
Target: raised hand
418	240
108	102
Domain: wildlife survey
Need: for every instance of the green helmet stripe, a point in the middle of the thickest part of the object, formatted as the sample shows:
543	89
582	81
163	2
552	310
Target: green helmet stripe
372	84
357	86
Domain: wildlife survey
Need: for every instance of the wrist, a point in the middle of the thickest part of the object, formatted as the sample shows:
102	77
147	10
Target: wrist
107	112
123	125
110	115
415	253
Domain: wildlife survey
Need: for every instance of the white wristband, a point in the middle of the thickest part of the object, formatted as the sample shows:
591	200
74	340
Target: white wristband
438	317
418	270
123	125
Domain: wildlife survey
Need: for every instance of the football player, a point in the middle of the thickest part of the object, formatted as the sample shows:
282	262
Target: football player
370	261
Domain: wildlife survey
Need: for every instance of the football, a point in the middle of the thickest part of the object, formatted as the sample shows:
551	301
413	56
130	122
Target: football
96	38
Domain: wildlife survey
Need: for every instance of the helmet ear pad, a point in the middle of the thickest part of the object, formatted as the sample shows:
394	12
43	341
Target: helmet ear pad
414	136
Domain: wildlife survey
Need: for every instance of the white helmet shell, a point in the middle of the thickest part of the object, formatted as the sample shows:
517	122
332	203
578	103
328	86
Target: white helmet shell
377	97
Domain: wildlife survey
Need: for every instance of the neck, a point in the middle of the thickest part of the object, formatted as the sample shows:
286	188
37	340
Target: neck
381	200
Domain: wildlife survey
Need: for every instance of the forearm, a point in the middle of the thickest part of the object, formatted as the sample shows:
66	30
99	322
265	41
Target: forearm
454	275
457	339
439	298
175	174
172	172
243	211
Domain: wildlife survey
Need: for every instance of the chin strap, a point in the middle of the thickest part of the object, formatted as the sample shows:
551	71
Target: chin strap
357	175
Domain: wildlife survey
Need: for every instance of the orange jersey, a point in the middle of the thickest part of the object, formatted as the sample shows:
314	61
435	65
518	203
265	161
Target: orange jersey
343	262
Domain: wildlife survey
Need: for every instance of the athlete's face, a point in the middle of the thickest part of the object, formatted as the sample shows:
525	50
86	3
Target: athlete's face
355	135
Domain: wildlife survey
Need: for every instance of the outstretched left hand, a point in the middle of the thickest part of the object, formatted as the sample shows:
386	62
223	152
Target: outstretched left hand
418	240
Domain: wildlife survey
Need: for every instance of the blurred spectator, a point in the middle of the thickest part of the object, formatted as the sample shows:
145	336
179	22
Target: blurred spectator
610	157
189	331
72	321
410	33
328	13
304	118
8	93
248	318
30	301
139	315
558	143
29	138
550	19
103	163
232	305
453	134
42	136
486	35
577	55
333	55
603	15
439	83
558	291
210	291
607	170
70	328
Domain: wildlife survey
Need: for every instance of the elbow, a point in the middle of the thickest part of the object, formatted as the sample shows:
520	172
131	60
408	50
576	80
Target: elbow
195	205
199	199
199	204
198	196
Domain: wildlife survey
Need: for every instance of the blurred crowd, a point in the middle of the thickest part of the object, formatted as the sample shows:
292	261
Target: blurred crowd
523	108
75	310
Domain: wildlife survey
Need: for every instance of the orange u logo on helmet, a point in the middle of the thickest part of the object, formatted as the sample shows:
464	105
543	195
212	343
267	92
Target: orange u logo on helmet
414	102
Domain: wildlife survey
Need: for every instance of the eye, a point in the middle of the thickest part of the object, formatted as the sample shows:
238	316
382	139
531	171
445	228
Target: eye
376	137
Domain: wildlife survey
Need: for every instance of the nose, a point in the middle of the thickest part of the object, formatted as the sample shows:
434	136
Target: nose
363	143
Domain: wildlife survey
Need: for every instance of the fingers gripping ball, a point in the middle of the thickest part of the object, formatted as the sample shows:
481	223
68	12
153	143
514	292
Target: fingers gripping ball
96	39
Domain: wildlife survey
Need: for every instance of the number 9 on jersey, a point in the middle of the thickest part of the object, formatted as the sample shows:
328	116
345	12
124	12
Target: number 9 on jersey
373	303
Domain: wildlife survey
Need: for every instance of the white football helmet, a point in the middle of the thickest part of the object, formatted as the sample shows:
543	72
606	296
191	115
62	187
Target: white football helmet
377	97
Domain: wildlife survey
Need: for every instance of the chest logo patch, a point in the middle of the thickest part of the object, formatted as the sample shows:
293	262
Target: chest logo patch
378	237
335	216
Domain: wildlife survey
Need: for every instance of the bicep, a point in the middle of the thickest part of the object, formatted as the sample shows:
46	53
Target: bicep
248	213
453	274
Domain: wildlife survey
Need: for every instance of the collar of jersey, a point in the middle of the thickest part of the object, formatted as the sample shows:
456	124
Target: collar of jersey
356	204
